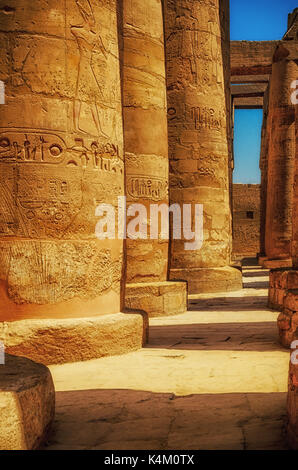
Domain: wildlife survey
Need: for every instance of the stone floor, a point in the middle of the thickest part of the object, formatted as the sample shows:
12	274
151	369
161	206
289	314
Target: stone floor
214	377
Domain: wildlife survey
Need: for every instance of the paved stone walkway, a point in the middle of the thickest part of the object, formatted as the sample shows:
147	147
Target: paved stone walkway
214	377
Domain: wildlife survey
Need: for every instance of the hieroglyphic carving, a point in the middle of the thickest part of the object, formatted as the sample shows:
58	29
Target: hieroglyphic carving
206	118
48	148
103	157
77	270
147	187
88	40
61	149
31	147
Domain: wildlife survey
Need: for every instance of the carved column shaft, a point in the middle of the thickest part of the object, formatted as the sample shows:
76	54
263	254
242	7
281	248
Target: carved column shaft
197	48
295	197
145	130
281	157
264	173
61	155
146	155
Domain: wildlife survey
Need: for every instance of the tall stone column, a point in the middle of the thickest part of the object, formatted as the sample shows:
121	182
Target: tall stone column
295	197
283	292
281	158
61	154
198	120
146	155
264	175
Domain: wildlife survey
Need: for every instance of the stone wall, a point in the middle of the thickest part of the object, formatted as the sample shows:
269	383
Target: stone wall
246	220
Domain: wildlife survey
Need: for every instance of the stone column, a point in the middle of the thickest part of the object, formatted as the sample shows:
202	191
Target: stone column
295	196
283	292
264	175
61	154
291	313
146	155
196	48
281	158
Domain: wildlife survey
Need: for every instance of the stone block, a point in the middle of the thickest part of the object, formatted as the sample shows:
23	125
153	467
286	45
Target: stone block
56	341
204	280
287	322
158	298
27	403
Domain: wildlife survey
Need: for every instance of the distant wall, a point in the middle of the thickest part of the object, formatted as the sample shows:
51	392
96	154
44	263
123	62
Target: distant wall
246	220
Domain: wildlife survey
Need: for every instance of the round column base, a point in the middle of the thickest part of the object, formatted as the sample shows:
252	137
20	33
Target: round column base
209	280
157	298
57	341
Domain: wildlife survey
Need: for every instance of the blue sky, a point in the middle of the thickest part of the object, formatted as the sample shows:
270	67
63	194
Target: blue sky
254	20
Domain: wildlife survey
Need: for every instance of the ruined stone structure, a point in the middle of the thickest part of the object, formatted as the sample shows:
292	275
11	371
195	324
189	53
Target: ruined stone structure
246	220
290	313
146	158
279	166
280	245
281	158
196	43
264	178
64	150
113	98
27	404
61	154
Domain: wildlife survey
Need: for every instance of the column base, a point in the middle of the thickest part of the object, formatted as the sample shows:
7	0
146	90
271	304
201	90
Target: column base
209	280
280	281
27	404
277	263
57	341
287	322
292	407
157	298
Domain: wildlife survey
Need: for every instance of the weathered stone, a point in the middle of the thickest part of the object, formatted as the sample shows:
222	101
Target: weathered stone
288	320
59	340
281	157
61	142
158	298
246	220
278	287
222	279
27	403
252	57
292	402
197	47
292	31
146	154
264	175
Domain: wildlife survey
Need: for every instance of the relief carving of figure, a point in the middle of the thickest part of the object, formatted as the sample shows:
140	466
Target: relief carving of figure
87	87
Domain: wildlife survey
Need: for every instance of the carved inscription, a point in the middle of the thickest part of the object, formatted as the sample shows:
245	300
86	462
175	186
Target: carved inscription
43	147
206	118
31	147
104	157
147	188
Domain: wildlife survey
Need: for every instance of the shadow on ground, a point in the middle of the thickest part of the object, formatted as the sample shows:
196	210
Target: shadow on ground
228	303
259	336
252	273
256	285
128	419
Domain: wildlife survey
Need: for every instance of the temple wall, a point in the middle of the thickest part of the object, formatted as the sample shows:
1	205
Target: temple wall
246	220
